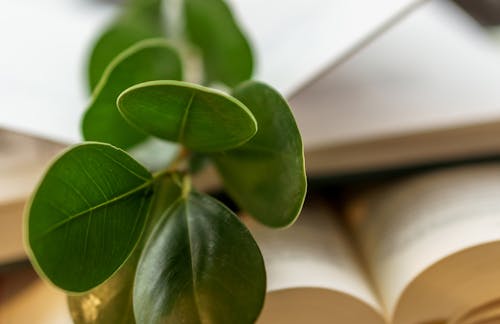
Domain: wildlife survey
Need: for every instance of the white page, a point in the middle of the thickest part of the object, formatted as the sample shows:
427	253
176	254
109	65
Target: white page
296	40
435	69
407	227
44	46
313	253
42	64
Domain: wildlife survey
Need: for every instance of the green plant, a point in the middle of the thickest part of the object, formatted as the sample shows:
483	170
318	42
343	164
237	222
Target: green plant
131	245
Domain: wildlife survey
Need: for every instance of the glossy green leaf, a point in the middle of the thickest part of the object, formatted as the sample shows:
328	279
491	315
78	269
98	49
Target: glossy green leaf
200	118
138	22
87	215
201	265
226	53
111	302
152	59
266	176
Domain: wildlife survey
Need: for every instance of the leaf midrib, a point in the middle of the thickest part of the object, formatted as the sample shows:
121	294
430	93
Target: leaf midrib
195	297
182	128
93	208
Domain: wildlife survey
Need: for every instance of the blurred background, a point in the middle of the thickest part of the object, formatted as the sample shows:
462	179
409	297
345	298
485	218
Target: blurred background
380	90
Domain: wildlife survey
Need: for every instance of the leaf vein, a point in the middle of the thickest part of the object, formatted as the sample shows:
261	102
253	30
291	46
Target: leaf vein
93	208
111	158
82	166
75	190
195	297
182	129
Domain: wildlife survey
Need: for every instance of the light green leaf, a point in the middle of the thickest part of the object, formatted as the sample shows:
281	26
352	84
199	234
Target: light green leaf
138	22
87	215
201	265
226	53
152	59
111	302
200	118
266	175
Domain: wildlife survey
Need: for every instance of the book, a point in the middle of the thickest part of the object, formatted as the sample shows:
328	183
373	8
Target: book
423	249
401	99
292	46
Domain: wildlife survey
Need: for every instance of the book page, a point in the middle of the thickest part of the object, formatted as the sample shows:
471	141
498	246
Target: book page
43	62
313	253
408	226
297	40
435	69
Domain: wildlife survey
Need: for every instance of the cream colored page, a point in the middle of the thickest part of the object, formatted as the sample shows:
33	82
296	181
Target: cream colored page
313	253
407	227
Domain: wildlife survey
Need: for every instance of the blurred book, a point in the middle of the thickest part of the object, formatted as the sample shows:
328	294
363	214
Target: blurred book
26	299
45	94
423	249
22	161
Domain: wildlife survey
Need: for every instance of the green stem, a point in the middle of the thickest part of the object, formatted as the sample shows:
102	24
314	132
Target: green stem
164	173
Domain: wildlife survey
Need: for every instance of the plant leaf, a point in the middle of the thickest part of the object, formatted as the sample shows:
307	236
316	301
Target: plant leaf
135	24
266	175
147	60
226	53
200	118
200	265
111	302
87	215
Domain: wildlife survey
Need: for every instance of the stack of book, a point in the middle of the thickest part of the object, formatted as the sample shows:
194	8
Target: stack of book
399	109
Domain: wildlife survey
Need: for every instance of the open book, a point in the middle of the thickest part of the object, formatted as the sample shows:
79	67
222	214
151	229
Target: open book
422	250
424	91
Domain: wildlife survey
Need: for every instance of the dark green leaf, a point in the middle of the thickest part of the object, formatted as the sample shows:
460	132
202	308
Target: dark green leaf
201	265
87	215
197	162
148	60
111	302
266	175
200	118
137	23
226	53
